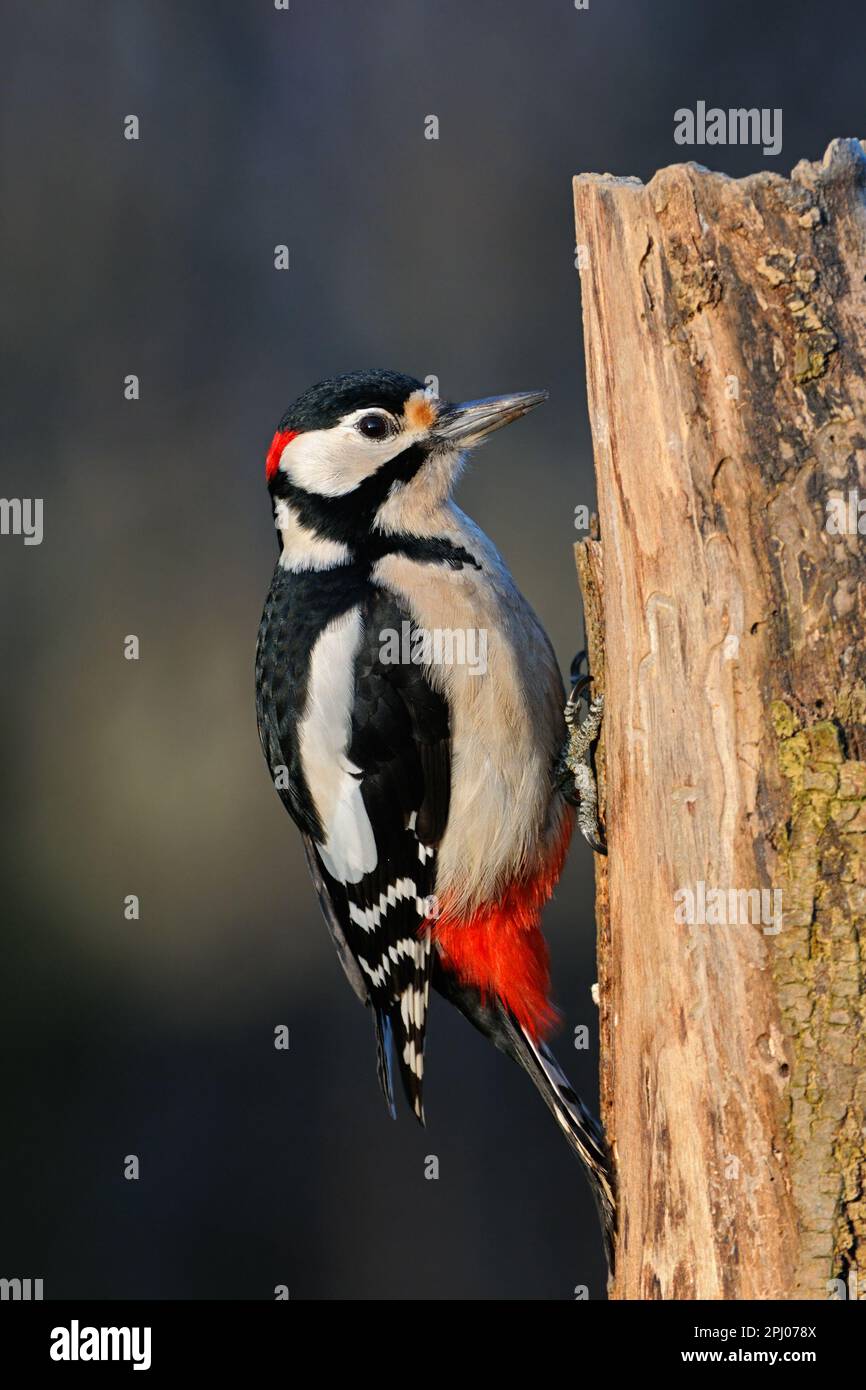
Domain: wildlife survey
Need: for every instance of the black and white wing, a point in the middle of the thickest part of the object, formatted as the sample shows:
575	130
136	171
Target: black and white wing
369	759
378	862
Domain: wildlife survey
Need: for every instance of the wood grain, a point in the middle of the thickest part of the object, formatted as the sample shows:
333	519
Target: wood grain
725	332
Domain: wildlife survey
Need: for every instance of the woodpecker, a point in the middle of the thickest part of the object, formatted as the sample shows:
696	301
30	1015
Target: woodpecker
429	790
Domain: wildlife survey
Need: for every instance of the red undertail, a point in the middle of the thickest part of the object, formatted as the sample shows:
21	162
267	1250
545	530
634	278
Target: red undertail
499	947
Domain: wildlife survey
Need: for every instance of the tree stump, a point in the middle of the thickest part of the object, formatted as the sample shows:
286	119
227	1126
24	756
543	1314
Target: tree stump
725	330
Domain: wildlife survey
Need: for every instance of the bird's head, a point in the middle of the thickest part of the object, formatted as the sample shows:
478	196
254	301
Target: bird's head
375	449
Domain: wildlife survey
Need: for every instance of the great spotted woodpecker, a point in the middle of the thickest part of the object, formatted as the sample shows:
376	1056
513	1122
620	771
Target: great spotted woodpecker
428	790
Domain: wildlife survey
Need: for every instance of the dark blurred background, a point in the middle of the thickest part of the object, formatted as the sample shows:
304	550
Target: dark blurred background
452	257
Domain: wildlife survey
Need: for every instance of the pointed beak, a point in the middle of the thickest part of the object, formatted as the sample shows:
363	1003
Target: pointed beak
467	424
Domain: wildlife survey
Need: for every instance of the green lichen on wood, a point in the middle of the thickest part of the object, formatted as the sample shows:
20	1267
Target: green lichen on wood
818	970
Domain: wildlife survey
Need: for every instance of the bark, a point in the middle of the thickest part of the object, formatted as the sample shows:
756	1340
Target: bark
725	330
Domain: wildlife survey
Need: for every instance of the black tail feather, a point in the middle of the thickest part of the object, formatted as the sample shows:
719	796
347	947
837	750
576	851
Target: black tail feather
385	1058
393	1033
581	1129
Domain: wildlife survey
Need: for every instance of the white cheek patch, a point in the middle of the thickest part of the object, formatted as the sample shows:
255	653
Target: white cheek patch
334	462
327	462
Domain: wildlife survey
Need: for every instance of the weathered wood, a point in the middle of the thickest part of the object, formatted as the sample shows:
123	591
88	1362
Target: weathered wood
725	329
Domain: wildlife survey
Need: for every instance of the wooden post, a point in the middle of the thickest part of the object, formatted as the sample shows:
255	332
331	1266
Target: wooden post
725	332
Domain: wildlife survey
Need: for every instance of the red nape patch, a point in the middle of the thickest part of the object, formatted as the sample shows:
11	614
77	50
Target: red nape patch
278	444
499	948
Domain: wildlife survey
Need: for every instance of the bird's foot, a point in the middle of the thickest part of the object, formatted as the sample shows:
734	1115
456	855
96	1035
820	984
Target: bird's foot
577	777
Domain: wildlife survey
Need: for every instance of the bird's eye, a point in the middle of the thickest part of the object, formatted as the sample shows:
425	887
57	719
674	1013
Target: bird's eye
374	426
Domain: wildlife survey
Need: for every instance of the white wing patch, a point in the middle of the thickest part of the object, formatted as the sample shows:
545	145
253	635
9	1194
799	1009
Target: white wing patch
349	850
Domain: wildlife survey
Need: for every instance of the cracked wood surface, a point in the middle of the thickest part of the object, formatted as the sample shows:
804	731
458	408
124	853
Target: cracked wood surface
725	330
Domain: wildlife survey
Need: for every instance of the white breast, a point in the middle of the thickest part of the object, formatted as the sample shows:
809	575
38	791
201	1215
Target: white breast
507	723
